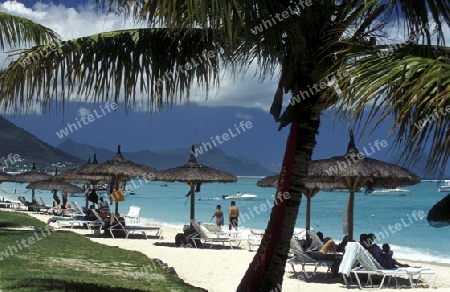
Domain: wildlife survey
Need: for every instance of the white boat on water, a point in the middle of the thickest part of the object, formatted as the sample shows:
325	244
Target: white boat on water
445	187
389	192
239	196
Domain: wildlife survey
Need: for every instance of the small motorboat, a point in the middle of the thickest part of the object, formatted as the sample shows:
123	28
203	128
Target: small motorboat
389	192
445	187
239	196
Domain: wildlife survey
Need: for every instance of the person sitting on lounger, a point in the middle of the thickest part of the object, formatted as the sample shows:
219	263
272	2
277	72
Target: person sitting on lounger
104	208
322	254
387	253
377	254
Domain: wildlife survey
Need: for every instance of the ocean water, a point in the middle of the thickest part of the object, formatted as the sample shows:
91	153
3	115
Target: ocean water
397	220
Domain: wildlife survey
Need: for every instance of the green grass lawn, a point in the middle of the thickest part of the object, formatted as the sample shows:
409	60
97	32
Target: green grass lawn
46	260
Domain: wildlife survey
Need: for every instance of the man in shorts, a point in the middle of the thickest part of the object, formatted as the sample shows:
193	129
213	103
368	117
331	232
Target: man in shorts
233	214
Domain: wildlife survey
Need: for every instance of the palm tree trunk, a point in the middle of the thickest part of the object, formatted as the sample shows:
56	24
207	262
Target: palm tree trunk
266	271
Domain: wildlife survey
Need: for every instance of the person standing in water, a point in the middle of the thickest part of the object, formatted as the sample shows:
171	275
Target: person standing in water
219	216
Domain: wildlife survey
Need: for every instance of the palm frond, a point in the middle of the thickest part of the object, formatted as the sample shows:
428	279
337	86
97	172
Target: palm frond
108	66
412	84
17	31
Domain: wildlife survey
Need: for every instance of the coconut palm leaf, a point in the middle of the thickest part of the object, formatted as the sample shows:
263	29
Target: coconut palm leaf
106	66
17	31
410	82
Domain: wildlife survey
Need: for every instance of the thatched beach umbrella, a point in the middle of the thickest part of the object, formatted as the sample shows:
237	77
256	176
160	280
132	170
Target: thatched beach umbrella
355	171
6	177
73	175
31	176
54	184
120	169
194	174
439	214
310	190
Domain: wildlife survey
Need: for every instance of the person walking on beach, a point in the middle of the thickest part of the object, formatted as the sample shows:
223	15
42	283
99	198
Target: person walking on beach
219	216
233	214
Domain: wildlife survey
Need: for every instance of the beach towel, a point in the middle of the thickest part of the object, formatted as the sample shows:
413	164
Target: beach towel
355	252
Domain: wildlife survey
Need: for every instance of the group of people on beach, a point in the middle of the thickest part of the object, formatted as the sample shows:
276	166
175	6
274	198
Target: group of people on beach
233	215
332	251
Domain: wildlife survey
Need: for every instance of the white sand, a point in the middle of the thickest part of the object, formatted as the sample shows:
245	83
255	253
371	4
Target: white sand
221	269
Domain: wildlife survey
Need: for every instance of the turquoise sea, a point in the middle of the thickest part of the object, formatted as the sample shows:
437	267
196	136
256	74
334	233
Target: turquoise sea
398	220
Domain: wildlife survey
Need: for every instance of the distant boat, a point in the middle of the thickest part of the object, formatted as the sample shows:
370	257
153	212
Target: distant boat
389	192
239	196
445	187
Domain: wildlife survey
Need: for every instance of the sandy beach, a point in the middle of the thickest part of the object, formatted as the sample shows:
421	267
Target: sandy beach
221	269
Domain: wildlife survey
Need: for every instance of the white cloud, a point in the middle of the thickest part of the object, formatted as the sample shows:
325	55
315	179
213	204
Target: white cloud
85	20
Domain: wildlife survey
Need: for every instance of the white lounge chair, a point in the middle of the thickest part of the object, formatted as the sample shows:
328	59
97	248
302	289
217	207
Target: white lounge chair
201	236
133	214
302	257
369	266
253	241
216	230
90	224
134	229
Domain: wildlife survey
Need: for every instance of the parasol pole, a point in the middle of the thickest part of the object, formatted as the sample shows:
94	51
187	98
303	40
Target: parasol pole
351	203
192	194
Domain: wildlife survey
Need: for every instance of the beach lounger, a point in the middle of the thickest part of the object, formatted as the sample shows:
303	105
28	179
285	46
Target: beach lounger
253	241
134	229
354	252
90	224
29	205
216	230
133	214
200	235
316	243
303	258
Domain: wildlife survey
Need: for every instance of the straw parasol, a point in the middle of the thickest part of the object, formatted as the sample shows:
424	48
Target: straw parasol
55	184
194	174
31	176
74	176
355	171
5	177
120	169
439	214
310	190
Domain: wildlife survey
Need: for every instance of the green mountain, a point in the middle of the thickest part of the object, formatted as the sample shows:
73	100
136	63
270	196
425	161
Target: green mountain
163	159
17	142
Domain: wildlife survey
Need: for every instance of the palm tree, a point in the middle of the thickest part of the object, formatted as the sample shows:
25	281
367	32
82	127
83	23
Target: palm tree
17	31
307	43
